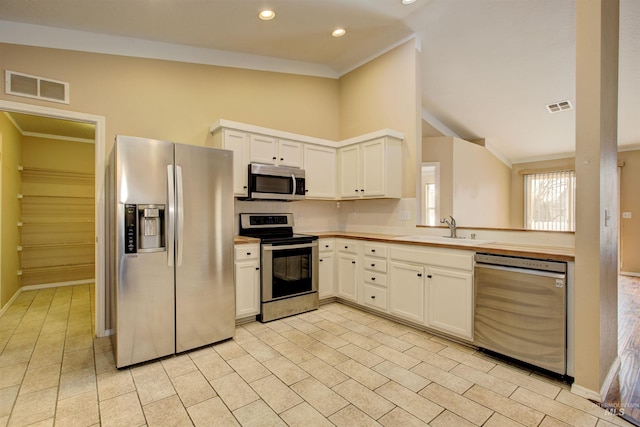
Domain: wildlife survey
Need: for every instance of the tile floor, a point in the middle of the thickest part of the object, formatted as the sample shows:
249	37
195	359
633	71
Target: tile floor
333	366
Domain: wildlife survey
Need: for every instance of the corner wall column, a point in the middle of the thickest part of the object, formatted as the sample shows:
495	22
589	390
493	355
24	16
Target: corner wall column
596	326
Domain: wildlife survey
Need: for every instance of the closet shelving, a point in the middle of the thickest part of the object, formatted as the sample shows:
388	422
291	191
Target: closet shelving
57	226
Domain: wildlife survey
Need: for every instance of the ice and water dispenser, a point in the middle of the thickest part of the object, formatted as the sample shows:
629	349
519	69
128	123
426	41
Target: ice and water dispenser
144	228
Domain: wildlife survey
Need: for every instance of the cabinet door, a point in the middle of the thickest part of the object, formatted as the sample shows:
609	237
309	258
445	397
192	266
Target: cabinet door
264	149
247	288
347	276
321	172
374	169
326	275
289	153
349	158
238	142
450	302
406	291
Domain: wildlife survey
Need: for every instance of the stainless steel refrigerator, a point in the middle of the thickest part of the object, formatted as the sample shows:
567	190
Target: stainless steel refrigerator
171	247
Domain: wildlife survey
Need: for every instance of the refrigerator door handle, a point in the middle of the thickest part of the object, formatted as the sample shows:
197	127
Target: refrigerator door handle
180	213
170	219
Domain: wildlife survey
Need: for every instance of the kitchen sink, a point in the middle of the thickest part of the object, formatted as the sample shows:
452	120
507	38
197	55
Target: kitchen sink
444	240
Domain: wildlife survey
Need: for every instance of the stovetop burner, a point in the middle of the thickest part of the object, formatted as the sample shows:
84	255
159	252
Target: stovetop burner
275	229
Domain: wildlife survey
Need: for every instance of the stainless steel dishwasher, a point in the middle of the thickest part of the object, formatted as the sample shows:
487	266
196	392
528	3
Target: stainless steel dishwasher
521	309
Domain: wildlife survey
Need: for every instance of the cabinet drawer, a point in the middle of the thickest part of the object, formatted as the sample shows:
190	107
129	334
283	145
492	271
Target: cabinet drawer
326	245
375	264
379	279
347	246
375	250
375	297
244	252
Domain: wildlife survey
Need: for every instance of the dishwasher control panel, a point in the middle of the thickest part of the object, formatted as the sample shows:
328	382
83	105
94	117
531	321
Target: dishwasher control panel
517	262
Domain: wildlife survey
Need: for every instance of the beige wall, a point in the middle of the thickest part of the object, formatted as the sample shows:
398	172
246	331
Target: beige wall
475	186
630	202
179	101
481	187
384	94
517	183
11	187
596	327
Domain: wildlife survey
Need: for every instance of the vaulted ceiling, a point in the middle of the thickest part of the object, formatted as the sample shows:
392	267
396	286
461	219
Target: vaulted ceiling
489	67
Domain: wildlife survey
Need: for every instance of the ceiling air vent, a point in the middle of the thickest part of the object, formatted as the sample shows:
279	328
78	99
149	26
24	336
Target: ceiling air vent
559	106
20	84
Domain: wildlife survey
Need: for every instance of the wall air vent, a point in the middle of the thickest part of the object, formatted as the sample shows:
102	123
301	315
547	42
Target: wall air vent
29	86
559	106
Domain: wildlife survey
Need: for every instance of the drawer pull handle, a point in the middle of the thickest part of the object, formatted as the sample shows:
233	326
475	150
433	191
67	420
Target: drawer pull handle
320	260
281	159
248	253
257	268
274	158
326	246
419	274
353	262
373	251
373	278
373	297
373	265
362	190
429	276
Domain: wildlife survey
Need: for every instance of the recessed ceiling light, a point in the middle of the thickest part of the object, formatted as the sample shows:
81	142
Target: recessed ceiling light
267	15
408	1
339	32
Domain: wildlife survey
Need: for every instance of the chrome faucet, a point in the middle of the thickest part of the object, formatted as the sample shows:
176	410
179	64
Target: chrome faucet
452	226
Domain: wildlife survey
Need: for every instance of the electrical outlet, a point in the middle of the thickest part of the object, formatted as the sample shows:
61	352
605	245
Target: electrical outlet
404	216
626	215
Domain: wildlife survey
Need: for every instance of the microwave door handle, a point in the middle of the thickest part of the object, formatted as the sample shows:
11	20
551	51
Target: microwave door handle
293	178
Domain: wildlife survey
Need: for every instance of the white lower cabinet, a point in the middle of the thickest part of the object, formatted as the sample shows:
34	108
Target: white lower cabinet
450	302
247	280
348	252
326	268
406	288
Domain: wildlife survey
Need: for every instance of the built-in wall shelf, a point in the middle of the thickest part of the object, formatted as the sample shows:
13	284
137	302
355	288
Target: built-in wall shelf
51	176
57	225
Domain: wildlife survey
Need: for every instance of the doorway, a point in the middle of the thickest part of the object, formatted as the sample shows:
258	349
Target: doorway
99	215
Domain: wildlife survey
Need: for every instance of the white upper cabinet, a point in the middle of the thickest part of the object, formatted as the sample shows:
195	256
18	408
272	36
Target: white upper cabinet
371	169
367	166
238	142
320	171
274	151
349	158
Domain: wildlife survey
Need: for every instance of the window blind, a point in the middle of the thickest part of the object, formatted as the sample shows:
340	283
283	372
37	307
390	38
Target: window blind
550	200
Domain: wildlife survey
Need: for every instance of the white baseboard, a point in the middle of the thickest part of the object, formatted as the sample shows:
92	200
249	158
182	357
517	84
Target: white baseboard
57	284
594	395
43	286
629	273
586	393
8	304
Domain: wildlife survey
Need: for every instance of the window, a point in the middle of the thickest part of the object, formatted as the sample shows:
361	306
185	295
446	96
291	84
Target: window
430	203
550	200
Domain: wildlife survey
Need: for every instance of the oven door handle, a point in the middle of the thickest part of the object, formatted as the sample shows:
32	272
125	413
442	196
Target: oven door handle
269	247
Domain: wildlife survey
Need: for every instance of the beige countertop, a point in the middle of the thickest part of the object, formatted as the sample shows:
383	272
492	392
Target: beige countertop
557	253
243	240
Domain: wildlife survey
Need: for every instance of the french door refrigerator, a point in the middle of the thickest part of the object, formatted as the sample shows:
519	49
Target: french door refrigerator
171	269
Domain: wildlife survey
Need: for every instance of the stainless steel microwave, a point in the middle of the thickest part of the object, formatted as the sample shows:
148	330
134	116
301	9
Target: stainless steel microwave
275	182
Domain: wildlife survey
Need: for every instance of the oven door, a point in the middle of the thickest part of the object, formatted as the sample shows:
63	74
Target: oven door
289	270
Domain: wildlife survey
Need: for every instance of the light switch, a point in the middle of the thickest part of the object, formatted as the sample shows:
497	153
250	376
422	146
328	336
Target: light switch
626	215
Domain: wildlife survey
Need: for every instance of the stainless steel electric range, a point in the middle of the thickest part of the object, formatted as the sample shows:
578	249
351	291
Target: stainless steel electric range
289	265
